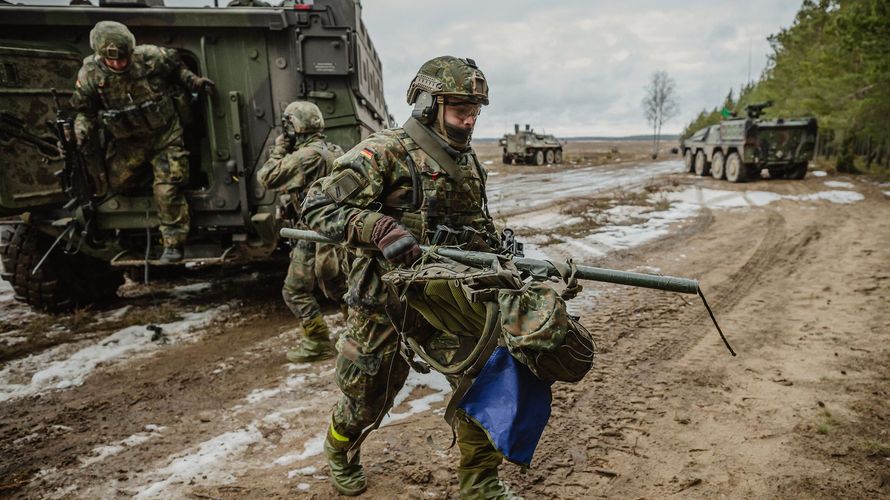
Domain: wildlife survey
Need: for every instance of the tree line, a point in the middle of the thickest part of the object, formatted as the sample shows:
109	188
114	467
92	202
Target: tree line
832	63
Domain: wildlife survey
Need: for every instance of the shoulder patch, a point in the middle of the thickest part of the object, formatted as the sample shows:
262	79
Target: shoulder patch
344	184
367	153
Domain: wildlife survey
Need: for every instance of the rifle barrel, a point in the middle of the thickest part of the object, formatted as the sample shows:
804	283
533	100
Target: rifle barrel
540	267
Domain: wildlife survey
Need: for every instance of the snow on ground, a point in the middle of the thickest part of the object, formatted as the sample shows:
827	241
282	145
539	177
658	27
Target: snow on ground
623	231
186	291
102	452
201	462
839	184
68	365
819	173
531	190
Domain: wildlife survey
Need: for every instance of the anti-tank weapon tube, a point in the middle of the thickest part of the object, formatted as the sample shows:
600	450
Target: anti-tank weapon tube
545	269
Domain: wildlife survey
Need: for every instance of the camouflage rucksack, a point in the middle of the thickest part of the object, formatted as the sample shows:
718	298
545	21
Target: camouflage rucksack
530	319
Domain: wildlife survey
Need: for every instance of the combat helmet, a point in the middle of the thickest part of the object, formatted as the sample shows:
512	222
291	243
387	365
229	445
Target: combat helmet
112	40
448	76
301	118
442	78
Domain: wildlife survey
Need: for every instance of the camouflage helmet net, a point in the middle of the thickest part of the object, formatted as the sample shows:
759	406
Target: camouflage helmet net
112	40
449	76
304	117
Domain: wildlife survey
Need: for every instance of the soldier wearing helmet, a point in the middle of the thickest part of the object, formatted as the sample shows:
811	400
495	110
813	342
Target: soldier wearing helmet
299	157
399	188
137	96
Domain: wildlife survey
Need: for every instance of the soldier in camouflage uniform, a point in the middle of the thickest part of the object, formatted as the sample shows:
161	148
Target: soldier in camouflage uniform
138	95
393	191
299	157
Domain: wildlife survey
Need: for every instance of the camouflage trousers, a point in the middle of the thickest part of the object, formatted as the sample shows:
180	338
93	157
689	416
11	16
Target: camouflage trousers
366	393
311	267
165	152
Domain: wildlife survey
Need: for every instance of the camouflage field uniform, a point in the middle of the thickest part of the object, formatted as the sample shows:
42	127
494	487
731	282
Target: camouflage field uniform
291	169
139	107
381	176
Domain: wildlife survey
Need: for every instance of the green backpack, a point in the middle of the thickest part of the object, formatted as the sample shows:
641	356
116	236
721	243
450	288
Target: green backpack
498	308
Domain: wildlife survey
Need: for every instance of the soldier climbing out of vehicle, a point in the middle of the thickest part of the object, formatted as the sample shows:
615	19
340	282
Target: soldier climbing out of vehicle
299	157
137	97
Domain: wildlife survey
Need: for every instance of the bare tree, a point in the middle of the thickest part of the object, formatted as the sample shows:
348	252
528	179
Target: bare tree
659	104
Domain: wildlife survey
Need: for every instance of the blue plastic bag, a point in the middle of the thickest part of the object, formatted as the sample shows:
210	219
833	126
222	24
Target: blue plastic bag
511	404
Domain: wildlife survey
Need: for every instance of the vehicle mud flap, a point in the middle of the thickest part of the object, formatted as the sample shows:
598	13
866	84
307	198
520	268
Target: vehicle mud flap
511	404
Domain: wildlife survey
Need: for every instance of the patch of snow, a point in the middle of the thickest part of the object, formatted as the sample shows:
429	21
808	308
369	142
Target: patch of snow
493	173
114	315
839	184
819	173
102	452
6	291
12	340
840	197
303	487
184	291
202	461
55	369
314	446
886	193
488	162
433	380
305	471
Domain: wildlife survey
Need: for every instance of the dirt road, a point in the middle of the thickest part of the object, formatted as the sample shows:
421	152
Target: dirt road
798	273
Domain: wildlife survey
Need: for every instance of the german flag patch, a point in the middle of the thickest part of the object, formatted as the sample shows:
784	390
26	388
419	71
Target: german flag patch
367	153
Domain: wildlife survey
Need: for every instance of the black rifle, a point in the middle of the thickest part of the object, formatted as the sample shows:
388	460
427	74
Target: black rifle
75	177
14	128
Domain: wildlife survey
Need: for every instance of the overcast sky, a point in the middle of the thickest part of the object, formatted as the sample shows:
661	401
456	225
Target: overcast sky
575	67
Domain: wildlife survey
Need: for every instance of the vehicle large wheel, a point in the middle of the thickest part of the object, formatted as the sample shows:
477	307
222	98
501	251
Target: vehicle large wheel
506	160
799	172
62	282
558	156
690	163
550	157
539	157
717	166
702	168
735	169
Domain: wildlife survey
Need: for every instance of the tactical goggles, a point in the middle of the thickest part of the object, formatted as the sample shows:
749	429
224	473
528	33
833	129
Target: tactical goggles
464	110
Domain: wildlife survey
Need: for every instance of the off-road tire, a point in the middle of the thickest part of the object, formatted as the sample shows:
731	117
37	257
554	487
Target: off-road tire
558	156
506	160
777	173
702	167
688	159
718	164
539	157
550	157
799	172
736	171
62	282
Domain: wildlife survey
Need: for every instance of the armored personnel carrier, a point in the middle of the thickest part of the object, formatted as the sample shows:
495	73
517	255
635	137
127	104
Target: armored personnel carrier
529	147
59	251
739	149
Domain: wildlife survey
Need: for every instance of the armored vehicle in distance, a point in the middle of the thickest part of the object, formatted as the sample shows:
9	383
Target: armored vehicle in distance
59	251
529	147
738	149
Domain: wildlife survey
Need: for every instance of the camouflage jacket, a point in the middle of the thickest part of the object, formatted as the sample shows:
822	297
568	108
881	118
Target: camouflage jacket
293	169
148	96
390	174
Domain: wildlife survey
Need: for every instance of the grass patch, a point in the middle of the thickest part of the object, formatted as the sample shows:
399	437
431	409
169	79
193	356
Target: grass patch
827	425
875	448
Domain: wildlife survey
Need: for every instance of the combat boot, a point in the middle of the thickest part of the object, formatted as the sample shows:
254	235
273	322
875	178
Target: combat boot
483	484
347	476
316	342
171	255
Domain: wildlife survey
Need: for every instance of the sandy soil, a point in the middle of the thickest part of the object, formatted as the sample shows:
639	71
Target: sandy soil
798	273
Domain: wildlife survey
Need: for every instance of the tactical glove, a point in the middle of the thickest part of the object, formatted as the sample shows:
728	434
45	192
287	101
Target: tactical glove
204	84
397	244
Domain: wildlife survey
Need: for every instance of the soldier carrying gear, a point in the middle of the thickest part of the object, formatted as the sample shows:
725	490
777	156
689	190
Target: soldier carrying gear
139	95
394	190
299	157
